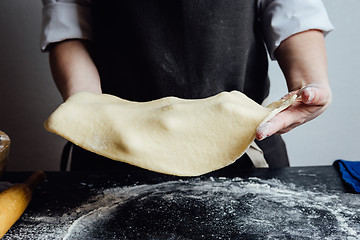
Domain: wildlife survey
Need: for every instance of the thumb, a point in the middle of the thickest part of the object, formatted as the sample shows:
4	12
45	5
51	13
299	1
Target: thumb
314	94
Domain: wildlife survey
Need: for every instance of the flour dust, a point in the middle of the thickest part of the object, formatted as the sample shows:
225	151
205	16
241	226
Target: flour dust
204	209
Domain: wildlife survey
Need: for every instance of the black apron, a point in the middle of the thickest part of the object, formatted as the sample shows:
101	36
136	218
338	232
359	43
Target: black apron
149	49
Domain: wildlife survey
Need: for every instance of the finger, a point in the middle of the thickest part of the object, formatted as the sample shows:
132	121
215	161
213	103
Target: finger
314	95
288	128
281	121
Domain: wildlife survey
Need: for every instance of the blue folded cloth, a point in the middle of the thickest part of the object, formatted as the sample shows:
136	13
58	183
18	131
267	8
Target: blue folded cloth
350	173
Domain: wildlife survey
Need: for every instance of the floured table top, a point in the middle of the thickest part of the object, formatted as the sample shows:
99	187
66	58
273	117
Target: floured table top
289	203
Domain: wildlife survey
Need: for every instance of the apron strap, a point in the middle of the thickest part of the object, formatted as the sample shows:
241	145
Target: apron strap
65	156
256	155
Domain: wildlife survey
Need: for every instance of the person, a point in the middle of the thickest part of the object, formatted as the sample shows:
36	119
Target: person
144	50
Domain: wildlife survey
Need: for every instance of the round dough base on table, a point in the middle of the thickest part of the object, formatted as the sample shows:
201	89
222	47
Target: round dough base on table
170	135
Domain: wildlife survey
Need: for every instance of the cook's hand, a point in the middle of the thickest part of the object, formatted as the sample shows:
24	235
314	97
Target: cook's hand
311	102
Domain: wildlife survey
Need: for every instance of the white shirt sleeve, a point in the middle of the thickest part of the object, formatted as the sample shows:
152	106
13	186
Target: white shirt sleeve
71	19
282	18
65	19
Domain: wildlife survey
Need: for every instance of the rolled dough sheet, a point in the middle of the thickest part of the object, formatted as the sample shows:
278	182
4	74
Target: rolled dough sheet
171	135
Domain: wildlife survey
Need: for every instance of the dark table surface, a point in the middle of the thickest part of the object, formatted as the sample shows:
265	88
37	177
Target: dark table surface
325	177
66	197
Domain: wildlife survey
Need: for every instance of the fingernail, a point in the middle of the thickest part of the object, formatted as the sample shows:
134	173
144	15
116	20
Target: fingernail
262	138
311	96
262	131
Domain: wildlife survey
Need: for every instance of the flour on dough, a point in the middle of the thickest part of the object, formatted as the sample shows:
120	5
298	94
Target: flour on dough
171	135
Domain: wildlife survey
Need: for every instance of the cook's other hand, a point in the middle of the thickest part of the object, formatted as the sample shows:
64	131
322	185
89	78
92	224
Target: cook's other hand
311	102
302	58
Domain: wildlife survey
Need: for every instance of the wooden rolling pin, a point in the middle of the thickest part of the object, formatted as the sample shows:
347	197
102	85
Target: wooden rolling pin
14	200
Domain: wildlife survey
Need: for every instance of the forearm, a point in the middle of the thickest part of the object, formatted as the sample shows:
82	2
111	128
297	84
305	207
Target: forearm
302	58
73	69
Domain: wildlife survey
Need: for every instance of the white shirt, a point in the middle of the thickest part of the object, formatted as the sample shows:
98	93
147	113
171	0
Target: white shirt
70	19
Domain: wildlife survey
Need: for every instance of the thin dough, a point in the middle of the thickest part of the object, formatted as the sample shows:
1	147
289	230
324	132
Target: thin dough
170	135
